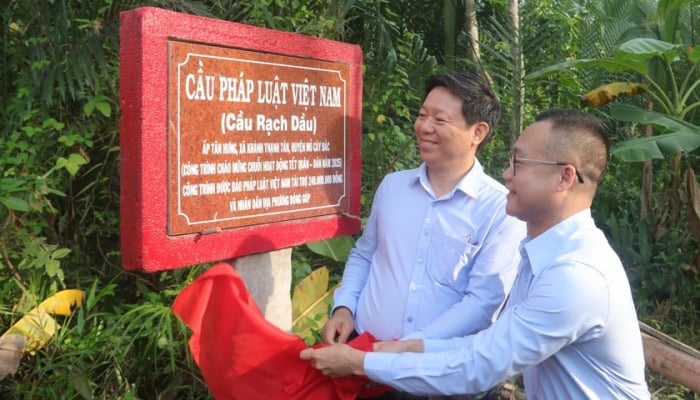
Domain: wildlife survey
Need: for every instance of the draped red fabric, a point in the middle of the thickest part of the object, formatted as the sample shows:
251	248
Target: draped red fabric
242	356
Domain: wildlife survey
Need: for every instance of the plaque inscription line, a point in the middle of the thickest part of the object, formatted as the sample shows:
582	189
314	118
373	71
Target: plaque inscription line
344	149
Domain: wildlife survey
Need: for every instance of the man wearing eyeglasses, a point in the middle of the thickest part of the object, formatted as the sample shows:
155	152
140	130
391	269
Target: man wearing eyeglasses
570	325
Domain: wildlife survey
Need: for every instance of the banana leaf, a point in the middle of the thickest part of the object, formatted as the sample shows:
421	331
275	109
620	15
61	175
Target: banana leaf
675	135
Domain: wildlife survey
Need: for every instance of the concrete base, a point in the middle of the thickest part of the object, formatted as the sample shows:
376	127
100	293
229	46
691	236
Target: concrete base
268	277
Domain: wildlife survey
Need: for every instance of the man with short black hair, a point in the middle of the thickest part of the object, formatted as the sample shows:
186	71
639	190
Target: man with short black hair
438	254
570	325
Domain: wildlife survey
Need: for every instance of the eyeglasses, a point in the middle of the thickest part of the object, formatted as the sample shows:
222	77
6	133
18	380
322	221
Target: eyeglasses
514	160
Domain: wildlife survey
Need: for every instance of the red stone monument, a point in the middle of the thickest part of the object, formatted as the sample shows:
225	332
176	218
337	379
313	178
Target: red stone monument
235	140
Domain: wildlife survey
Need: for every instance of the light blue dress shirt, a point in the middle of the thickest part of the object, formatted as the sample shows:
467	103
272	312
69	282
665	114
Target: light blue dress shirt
570	327
429	267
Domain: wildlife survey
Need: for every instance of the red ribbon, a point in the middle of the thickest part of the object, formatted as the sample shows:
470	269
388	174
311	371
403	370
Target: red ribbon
242	356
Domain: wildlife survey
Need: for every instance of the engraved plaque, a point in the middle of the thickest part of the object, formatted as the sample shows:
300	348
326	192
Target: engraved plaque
253	138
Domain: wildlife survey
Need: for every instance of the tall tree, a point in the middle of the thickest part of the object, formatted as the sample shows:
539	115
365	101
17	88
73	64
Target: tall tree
449	27
518	67
472	28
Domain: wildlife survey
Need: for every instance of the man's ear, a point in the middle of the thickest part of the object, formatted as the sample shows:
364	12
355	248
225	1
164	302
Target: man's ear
481	130
568	177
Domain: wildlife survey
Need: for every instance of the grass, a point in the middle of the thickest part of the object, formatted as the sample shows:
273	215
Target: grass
124	343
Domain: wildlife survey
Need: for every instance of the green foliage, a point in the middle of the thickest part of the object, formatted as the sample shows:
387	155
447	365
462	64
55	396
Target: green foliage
635	56
59	161
330	253
391	98
676	135
46	141
647	45
336	249
673	318
115	349
312	300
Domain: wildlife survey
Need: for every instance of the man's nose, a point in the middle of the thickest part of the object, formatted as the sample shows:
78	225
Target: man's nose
507	173
426	125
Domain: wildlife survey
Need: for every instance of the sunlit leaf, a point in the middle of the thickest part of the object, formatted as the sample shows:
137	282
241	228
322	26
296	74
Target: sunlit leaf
105	108
604	94
642	49
309	290
656	147
663	122
60	253
52	123
14	27
630	56
337	249
72	163
675	135
608	64
37	327
101	103
63	302
310	303
52	267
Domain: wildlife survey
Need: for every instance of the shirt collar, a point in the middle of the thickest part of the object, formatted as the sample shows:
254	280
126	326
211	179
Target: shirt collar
542	250
469	184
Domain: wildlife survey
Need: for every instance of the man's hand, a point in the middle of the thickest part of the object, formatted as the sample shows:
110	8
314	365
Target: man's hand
336	360
339	325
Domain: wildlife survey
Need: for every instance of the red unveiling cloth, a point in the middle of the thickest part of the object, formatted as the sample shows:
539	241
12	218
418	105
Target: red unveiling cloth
242	356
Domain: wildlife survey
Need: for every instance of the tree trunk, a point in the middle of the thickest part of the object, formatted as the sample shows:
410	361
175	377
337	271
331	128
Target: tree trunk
472	27
449	32
472	30
518	71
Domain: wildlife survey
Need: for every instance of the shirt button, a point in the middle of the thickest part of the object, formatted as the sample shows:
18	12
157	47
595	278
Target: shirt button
409	319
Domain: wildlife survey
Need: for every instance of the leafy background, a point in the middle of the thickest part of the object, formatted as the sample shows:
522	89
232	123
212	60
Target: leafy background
59	158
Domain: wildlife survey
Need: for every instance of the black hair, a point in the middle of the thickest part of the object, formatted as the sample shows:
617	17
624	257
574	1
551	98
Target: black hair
479	101
581	138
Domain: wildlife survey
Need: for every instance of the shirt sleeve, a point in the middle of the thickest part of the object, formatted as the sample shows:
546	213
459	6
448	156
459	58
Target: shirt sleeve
564	304
490	281
358	263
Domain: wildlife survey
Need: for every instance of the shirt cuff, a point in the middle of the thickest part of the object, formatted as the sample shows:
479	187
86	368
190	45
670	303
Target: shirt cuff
352	312
377	366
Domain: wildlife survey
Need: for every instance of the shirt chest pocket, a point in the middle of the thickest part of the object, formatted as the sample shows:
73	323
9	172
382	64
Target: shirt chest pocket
452	260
